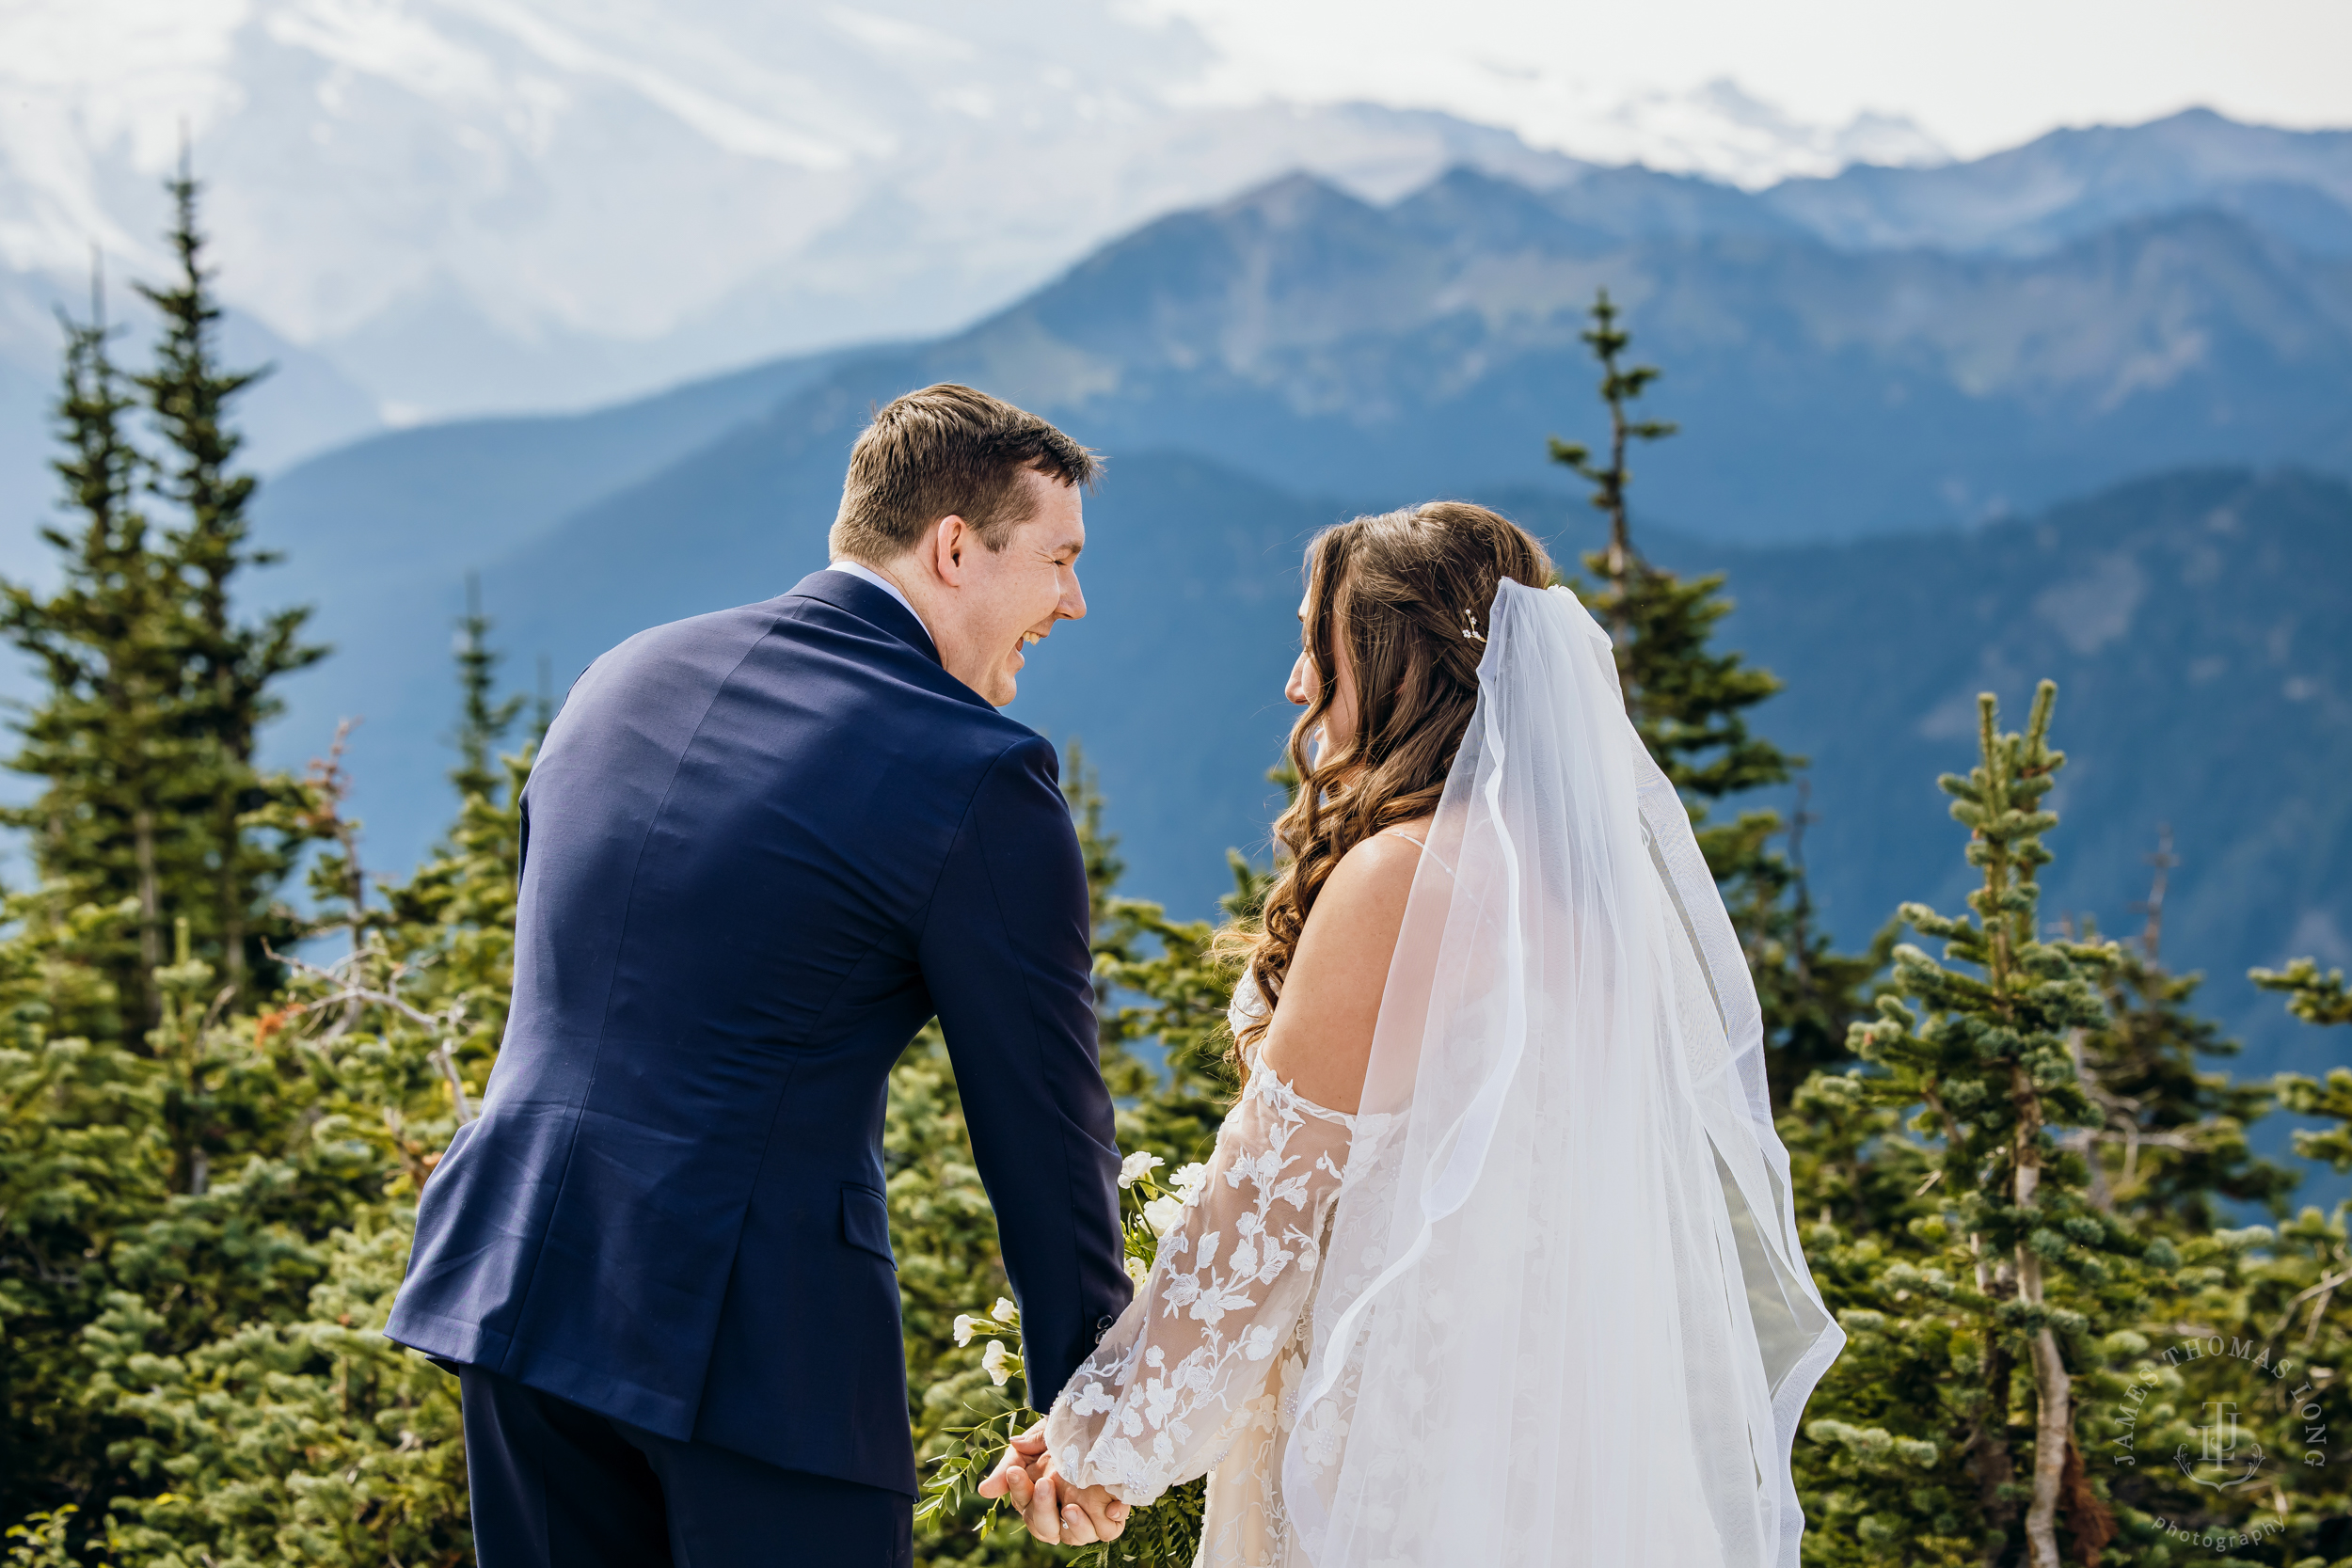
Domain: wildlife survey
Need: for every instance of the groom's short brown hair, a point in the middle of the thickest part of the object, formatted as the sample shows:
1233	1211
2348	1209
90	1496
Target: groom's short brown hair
947	450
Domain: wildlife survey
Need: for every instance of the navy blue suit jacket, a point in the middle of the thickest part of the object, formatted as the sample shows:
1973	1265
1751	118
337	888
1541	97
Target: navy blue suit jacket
761	847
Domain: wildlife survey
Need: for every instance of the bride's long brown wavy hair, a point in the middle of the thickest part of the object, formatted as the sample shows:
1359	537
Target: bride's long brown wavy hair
1409	593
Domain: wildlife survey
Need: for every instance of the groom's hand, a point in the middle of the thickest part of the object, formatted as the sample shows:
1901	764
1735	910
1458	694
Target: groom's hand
1023	1476
1019	1477
1051	1508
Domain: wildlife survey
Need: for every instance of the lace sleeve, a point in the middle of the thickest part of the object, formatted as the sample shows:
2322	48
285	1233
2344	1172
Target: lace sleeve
1151	1407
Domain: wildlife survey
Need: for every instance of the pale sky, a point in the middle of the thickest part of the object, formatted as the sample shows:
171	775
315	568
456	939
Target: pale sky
1980	76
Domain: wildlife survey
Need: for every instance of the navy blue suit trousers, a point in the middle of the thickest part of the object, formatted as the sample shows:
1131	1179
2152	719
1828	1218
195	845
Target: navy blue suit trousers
762	848
557	1486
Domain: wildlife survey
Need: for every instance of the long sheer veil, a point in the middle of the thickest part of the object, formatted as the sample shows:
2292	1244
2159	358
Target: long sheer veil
1565	1317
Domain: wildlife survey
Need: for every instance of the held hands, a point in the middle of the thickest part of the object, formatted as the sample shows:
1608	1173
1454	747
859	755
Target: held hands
1056	1511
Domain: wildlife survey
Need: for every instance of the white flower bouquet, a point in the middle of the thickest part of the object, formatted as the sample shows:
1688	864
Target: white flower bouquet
1166	1534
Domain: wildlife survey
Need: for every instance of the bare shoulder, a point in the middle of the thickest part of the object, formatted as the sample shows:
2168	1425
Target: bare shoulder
1371	883
1321	1036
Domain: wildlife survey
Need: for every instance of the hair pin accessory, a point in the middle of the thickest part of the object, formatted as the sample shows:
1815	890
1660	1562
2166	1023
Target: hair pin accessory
1470	628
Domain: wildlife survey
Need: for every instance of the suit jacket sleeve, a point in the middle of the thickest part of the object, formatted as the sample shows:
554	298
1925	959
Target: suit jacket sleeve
1004	954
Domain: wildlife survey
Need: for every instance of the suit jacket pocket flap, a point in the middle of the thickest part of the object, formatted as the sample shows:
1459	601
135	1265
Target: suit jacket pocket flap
865	1220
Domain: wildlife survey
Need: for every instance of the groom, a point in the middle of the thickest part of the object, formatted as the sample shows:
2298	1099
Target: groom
761	847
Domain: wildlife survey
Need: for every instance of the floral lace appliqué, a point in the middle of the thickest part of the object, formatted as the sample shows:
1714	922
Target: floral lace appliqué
1202	1363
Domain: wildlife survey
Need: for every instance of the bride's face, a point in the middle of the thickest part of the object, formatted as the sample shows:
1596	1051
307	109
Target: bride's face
1306	685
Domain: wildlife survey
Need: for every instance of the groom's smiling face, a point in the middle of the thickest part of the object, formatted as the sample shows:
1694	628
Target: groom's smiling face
1012	597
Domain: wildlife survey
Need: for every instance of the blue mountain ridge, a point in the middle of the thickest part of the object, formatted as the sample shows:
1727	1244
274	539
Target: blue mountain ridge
1951	342
1880	441
2196	623
2294	184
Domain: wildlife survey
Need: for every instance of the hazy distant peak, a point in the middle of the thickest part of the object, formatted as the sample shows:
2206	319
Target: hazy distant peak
1718	130
2074	181
1723	130
1293	200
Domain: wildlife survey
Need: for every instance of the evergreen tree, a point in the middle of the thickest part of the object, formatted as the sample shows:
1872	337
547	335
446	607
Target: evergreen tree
80	1158
2320	999
1688	703
82	1163
2256	1318
2015	1274
2015	1217
156	692
484	719
2171	1144
102	832
124	1093
182	1147
241	1346
1619	387
2313	997
229	666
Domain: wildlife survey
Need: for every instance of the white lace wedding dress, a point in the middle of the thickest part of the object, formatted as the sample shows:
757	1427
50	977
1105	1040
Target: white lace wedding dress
1199	1375
1542	1301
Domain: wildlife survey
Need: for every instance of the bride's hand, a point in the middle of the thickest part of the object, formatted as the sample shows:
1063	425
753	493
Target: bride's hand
1051	1508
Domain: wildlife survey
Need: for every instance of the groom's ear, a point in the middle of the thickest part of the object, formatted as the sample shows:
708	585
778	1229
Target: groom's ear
951	538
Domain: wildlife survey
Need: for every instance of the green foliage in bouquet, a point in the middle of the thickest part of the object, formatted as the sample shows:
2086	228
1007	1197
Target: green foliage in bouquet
1164	1534
952	1492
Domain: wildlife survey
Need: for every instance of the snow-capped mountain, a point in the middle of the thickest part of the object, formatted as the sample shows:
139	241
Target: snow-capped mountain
465	205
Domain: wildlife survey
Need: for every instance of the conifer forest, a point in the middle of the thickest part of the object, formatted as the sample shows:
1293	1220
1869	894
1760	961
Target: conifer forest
2081	1302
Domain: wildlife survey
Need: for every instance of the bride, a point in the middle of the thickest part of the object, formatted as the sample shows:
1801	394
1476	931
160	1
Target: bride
1494	1262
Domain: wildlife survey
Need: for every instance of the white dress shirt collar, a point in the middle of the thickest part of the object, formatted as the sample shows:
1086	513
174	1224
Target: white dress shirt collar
859	569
